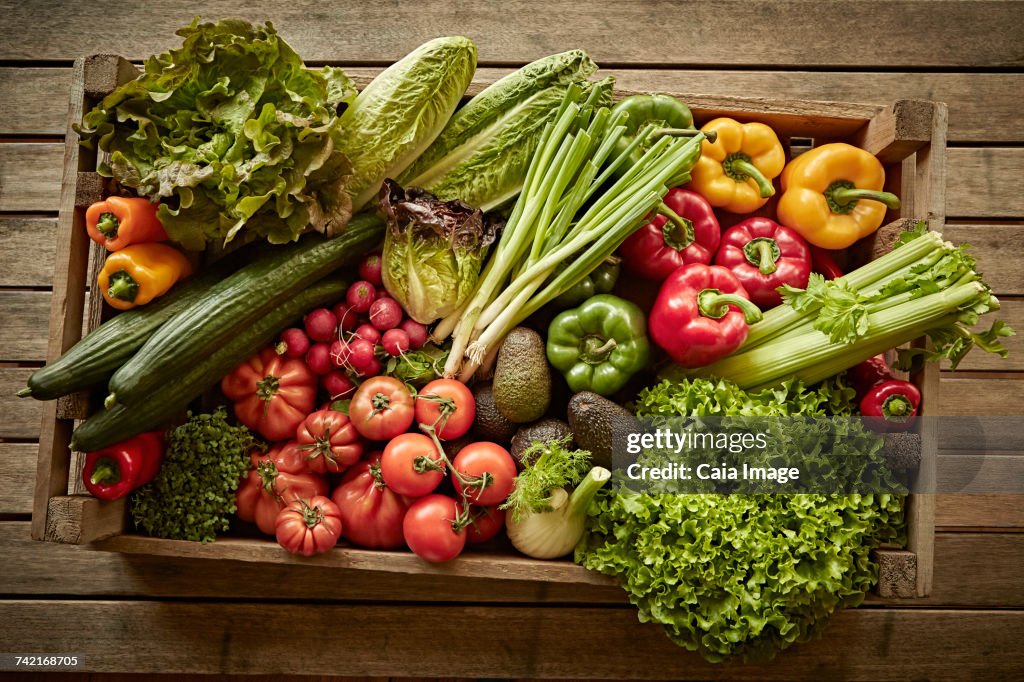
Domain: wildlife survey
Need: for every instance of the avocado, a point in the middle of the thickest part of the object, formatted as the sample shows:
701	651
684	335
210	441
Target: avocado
545	431
522	378
598	424
489	423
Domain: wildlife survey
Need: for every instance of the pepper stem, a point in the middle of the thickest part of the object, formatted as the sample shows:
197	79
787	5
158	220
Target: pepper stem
764	253
842	196
897	406
709	135
739	167
122	286
677	230
714	304
108	224
596	350
105	473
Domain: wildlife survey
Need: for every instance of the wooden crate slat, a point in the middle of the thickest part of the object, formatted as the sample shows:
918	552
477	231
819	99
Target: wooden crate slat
148	637
980	35
35	236
983	106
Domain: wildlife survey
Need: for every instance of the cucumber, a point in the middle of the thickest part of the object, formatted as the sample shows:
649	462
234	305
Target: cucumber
93	359
119	422
236	303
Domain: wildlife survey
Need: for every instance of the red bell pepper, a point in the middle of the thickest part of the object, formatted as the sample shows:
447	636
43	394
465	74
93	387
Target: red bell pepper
896	401
765	255
115	471
701	315
868	374
824	264
687	232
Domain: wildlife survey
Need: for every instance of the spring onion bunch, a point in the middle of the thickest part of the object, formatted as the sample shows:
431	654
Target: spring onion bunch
925	286
566	211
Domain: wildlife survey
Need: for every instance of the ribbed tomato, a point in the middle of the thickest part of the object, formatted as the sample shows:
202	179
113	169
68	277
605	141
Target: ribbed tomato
371	513
275	480
330	441
272	394
309	527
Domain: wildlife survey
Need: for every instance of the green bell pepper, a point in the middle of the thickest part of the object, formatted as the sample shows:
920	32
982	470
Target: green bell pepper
672	116
599	345
601	281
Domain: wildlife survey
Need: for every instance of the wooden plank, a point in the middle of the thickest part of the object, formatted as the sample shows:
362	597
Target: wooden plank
990	242
30	176
28	246
971	396
22	416
481	564
898	131
982	106
81	519
25	318
149	637
970	473
17	470
31	100
66	310
983	182
979	511
919	34
34	568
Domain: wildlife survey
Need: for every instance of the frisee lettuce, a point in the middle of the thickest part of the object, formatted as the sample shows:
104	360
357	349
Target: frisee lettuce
229	132
742	575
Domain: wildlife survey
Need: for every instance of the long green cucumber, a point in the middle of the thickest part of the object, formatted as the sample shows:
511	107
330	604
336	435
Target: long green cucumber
236	303
93	359
116	423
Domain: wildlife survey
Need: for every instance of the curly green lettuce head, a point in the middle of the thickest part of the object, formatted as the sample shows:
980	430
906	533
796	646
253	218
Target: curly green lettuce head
229	132
433	251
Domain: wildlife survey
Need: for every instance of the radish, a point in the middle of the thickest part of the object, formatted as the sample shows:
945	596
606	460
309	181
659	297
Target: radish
360	295
340	353
368	332
385	313
396	341
294	343
321	324
360	355
369	269
348	319
372	368
318	359
417	333
337	384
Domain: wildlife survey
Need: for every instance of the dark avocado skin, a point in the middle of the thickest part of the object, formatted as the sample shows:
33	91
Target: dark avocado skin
522	377
595	421
544	431
490	424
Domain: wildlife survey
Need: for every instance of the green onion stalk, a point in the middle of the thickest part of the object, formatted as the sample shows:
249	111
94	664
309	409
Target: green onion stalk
572	163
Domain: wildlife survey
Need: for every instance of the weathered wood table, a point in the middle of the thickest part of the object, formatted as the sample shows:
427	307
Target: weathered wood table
137	613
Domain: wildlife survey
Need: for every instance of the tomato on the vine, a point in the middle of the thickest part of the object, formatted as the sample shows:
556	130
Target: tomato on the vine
486	523
491	466
448	406
308	527
371	512
412	465
381	408
431	529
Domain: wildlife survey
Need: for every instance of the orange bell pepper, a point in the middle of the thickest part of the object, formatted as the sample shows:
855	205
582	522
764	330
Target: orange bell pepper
832	195
137	274
117	222
735	171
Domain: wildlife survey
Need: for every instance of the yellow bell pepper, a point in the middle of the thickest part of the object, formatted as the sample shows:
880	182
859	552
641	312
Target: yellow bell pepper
832	195
138	273
735	171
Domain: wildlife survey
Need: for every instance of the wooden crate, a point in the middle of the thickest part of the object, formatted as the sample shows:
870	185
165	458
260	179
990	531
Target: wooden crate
908	136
